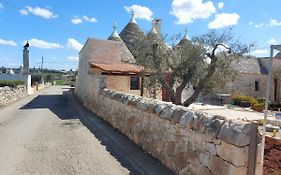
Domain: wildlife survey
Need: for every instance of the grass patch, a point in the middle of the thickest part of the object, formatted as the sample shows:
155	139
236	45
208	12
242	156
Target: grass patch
63	82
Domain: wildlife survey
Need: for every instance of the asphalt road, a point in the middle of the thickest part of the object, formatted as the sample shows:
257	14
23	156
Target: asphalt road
51	133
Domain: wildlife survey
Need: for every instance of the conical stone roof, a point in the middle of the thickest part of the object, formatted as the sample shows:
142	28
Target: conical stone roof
126	55
132	35
114	35
185	40
154	38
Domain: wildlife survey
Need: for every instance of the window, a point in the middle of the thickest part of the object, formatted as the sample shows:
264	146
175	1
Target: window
134	83
256	85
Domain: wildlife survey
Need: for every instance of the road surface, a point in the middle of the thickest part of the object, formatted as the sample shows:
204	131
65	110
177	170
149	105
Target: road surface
51	133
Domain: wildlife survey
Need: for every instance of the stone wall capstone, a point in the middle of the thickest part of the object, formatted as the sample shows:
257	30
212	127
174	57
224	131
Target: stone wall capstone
186	141
10	95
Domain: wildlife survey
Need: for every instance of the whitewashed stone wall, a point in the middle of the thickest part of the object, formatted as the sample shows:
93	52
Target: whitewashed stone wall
188	142
10	95
25	78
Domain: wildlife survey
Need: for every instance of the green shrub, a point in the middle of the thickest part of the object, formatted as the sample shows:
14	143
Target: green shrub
36	78
258	106
248	101
11	83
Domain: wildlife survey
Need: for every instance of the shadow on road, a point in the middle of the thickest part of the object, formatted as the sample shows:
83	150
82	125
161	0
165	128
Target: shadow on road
130	155
58	104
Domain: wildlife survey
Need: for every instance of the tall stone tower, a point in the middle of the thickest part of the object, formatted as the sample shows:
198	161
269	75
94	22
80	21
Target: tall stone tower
25	59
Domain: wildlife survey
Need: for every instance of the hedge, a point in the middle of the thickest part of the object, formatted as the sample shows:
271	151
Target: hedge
11	83
248	101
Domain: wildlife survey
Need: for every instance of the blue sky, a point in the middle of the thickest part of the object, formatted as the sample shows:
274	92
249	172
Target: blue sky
57	30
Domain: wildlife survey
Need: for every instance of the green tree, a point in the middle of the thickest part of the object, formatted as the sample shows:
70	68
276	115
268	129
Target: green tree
203	62
49	78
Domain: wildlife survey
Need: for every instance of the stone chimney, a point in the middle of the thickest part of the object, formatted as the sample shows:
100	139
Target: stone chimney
25	68
157	25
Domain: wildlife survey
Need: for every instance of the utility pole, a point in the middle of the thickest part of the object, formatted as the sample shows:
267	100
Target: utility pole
42	64
42	80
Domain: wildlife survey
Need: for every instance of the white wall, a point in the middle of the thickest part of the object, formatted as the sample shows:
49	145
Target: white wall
25	78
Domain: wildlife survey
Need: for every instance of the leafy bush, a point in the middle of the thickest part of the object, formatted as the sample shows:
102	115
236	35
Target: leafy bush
243	100
36	78
11	83
49	78
258	106
248	101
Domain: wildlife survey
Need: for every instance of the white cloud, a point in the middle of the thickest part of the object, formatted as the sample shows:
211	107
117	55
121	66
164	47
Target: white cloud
141	12
271	23
1	6
76	20
220	5
274	22
187	11
259	52
74	44
43	44
272	41
38	11
79	20
259	25
7	42
23	12
89	19
224	20
72	58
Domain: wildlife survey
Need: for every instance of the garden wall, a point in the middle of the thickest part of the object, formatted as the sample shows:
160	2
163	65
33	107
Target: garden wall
25	78
188	142
10	95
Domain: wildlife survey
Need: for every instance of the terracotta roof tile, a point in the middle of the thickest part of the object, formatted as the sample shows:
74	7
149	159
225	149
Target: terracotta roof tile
118	68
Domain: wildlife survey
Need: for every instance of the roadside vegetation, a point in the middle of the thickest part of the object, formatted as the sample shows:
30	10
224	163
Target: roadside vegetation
10	83
248	101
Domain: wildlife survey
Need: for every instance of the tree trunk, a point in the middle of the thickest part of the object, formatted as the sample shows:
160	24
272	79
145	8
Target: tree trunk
203	81
181	87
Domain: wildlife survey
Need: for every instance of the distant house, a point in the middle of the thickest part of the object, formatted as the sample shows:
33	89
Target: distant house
120	77
252	76
106	58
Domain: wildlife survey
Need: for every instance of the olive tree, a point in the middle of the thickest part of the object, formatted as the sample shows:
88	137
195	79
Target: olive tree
203	62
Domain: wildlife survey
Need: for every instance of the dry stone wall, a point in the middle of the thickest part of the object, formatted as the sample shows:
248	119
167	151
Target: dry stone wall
10	95
188	142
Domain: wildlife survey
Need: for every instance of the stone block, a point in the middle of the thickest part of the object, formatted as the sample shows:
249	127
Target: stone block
235	133
186	120
141	104
170	148
170	162
167	112
198	170
159	107
125	99
211	148
192	158
204	159
180	161
219	166
213	127
238	156
118	96
111	94
151	106
178	114
184	171
133	100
